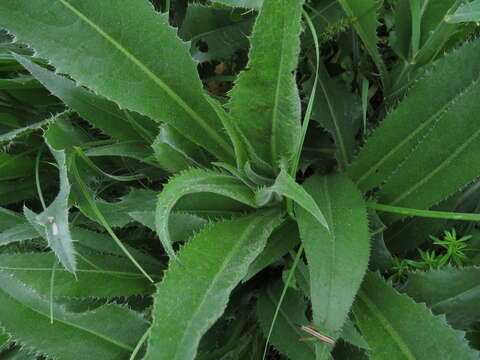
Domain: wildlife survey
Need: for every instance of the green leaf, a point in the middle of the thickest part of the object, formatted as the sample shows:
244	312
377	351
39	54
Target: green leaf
163	85
364	15
52	223
14	227
13	166
131	149
284	239
195	290
336	109
286	186
108	333
450	291
181	225
338	257
467	12
395	327
213	32
174	152
100	112
196	181
270	121
101	276
286	333
117	213
438	128
245	4
10	135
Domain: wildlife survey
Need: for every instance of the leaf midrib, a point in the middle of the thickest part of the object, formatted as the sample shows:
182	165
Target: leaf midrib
211	132
273	144
436	116
219	273
67	323
444	163
385	323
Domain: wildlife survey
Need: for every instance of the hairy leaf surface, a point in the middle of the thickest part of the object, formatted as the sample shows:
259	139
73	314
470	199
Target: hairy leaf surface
118	63
195	290
338	257
395	327
450	291
52	224
196	181
270	120
423	125
109	332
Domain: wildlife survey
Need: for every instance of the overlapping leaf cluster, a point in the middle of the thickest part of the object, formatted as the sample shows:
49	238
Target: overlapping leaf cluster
164	193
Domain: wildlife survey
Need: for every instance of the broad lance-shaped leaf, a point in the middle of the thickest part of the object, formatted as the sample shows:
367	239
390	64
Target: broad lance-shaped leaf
286	186
102	276
270	120
108	333
468	12
100	112
337	258
446	159
119	63
52	223
286	332
196	181
454	80
397	328
337	110
364	16
450	291
195	290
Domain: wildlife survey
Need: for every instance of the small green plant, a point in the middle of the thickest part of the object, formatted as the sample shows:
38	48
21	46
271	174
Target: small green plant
183	180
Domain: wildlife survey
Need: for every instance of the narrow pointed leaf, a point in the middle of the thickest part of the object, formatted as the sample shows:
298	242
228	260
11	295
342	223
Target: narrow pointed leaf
100	112
105	276
468	12
163	85
87	333
245	4
286	186
455	82
196	181
397	328
450	291
52	224
270	120
337	258
195	290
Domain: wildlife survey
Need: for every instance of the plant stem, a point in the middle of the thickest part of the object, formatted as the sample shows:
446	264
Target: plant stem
424	213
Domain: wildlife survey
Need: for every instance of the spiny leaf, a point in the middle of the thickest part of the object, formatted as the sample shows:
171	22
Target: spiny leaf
101	276
52	223
245	4
100	112
163	85
454	79
9	136
338	257
196	181
286	186
395	327
270	121
286	334
467	12
450	291
14	227
195	290
109	332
